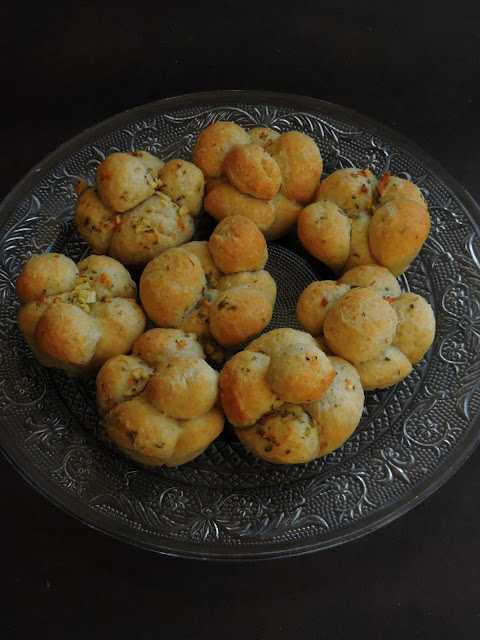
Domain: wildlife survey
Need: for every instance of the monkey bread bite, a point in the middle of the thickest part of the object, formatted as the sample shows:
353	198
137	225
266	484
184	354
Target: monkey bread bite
288	402
366	319
260	174
77	317
139	206
158	405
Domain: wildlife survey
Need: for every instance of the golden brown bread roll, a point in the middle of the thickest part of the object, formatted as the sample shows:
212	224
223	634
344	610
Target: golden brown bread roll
184	184
416	326
324	231
300	163
374	277
300	373
237	244
123	181
160	412
397	232
252	170
384	370
316	301
339	410
214	143
238	314
91	317
244	390
360	325
286	215
260	280
284	436
350	189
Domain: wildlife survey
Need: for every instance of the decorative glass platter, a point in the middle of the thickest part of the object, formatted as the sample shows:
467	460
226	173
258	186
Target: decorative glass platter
226	503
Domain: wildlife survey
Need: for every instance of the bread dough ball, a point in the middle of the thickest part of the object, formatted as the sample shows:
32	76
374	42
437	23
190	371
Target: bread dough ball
416	326
300	163
244	390
197	433
324	231
170	284
225	200
350	189
94	221
374	277
397	232
237	244
360	253
122	181
138	428
300	373
184	184
360	325
149	229
47	274
286	215
67	334
263	136
177	379
284	436
384	370
275	341
338	412
214	143
107	277
157	345
253	171
239	314
121	378
393	188
260	280
119	323
316	301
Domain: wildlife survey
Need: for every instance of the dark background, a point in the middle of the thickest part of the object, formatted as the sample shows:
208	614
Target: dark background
411	65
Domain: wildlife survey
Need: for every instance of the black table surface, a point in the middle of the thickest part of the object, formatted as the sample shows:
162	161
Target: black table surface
414	66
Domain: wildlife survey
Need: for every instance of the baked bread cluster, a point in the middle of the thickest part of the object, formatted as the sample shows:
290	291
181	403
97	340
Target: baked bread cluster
259	174
139	206
366	319
357	220
216	289
158	405
289	402
77	317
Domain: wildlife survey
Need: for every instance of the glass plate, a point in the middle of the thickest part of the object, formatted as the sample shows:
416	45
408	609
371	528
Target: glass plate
226	503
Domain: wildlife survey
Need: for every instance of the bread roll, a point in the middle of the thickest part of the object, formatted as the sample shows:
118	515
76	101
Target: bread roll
397	232
393	188
384	370
324	231
263	136
316	301
237	244
300	163
122	181
47	274
225	200
360	325
416	326
350	189
253	171
374	277
184	184
360	253
244	390
214	143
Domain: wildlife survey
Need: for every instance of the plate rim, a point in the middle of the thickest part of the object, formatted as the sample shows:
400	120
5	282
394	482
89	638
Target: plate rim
370	523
